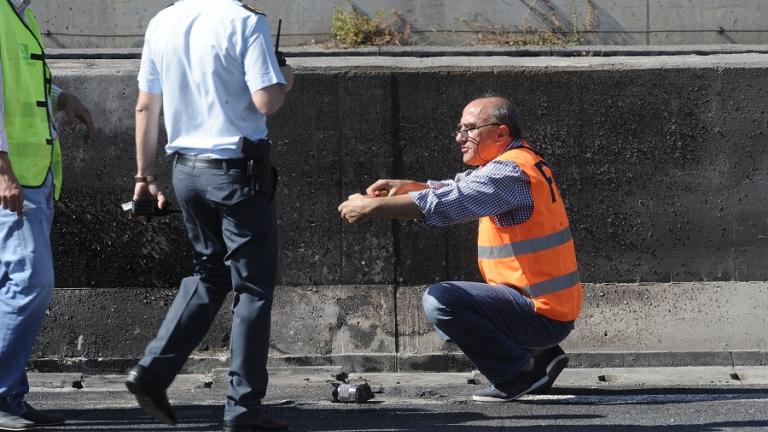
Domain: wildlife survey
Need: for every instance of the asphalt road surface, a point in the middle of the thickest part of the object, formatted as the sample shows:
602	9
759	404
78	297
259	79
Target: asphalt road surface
430	405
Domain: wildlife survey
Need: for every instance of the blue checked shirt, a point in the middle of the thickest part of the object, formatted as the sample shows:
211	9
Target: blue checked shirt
500	189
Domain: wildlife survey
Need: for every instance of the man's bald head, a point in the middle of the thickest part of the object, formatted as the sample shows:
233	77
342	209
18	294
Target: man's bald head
498	110
487	126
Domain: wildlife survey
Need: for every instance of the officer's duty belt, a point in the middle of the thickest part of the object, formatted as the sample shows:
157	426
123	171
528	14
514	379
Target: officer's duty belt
222	164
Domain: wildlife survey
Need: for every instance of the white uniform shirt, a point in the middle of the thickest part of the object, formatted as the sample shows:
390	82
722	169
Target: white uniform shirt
206	57
21	6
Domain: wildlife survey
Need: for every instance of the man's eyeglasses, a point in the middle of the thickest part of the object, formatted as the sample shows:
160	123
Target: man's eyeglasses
465	132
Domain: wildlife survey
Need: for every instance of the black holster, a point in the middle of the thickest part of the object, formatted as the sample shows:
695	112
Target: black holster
257	153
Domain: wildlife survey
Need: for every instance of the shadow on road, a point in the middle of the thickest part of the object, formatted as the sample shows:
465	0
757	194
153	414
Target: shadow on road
207	418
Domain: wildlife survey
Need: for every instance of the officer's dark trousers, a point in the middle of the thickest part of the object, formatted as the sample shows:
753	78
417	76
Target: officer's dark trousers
235	240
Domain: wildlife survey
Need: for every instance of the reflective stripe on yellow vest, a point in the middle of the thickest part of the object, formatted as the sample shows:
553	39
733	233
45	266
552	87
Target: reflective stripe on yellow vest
536	257
26	90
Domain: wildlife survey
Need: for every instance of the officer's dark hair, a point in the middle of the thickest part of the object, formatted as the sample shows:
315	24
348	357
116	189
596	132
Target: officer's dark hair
502	112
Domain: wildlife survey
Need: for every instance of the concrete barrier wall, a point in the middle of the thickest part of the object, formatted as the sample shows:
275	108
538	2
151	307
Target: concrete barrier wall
661	162
382	328
112	24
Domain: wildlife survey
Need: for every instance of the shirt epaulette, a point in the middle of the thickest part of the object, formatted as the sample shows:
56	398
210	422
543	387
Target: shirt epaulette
252	10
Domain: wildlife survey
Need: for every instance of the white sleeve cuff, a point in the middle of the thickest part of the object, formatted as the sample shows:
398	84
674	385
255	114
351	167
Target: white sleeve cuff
439	184
3	139
55	93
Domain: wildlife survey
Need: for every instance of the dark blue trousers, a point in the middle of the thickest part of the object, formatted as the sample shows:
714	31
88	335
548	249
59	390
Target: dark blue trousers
495	326
234	235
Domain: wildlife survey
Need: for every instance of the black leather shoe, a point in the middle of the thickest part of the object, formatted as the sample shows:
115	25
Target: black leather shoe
40	418
265	423
151	397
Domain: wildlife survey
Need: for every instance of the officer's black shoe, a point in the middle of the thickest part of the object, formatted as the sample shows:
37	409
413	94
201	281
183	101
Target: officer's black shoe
264	423
553	361
151	397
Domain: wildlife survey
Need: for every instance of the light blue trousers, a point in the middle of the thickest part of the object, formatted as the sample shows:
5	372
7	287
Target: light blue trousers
26	288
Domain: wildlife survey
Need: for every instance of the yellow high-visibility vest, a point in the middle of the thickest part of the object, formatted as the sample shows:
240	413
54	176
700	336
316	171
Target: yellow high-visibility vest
26	93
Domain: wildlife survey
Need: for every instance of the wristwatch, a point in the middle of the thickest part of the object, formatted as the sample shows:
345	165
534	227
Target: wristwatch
144	179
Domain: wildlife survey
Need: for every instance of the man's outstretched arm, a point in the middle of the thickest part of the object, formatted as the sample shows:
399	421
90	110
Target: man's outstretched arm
359	208
388	187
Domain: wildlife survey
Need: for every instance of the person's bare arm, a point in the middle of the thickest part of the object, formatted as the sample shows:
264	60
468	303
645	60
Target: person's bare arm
11	192
359	208
148	109
388	187
269	99
75	110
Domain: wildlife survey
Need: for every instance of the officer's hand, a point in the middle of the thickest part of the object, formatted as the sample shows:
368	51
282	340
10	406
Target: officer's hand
149	191
11	192
356	209
387	187
75	110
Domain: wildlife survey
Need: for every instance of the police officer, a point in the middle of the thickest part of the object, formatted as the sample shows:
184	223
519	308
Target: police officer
30	179
210	67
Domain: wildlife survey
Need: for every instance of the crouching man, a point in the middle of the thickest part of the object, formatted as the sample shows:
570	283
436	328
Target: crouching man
511	325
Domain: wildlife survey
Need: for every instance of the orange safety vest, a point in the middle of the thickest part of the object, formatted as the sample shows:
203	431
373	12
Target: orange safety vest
536	257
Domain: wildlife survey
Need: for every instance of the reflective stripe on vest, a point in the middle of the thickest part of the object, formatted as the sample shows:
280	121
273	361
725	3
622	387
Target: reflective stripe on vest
523	247
26	89
550	286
